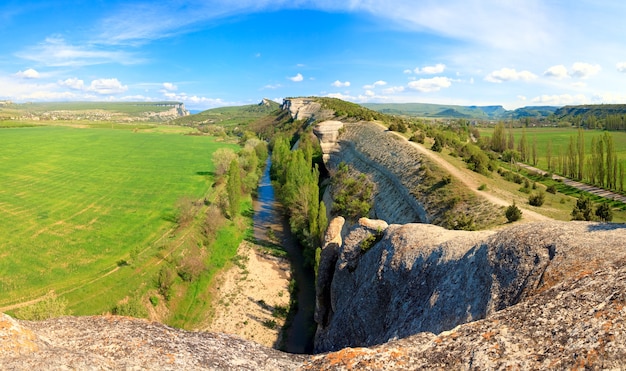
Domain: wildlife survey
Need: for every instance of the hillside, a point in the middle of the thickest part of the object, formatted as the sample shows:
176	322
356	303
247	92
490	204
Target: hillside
456	111
93	111
230	116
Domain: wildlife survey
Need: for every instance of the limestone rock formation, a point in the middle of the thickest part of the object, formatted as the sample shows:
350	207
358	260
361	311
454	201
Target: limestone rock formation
114	343
301	108
423	278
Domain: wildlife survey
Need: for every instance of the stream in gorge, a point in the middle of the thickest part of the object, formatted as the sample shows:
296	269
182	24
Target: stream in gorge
268	215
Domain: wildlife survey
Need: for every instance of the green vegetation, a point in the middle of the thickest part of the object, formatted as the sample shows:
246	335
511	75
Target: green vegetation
353	193
513	213
229	117
113	220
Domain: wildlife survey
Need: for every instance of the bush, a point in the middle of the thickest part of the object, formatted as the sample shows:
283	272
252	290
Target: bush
582	210
604	212
50	307
537	199
419	138
513	213
551	189
131	308
482	187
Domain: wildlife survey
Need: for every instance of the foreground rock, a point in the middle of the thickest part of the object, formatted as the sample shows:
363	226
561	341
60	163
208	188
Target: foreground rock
534	296
114	343
423	278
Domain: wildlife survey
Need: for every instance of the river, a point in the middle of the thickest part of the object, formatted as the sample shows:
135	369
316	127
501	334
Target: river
268	214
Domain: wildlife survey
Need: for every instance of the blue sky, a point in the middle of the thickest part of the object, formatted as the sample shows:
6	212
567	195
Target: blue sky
231	52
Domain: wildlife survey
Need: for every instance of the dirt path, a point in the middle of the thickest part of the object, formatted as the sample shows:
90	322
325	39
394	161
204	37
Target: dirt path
471	180
578	185
251	297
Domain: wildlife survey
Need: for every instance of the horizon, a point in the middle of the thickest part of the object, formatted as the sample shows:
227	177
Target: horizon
224	53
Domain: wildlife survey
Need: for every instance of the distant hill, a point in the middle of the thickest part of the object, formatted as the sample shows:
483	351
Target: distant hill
93	111
230	116
455	111
597	110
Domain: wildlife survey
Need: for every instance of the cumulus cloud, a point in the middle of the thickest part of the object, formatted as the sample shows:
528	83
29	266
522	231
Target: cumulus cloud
560	100
297	78
374	85
73	83
431	70
28	74
339	84
585	70
393	90
272	86
509	74
169	86
558	71
621	67
99	86
430	85
107	86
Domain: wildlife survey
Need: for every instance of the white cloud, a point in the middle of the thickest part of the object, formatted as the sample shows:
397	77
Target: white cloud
169	86
297	78
621	67
272	86
339	84
584	70
430	85
375	84
393	90
407	71
107	86
509	74
431	70
73	83
54	51
28	74
560	100
369	93
558	71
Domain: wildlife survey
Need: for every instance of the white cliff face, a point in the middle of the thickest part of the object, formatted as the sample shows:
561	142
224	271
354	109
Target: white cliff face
328	134
301	108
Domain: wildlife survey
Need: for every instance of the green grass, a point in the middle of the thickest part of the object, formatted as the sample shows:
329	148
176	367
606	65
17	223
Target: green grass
75	202
560	139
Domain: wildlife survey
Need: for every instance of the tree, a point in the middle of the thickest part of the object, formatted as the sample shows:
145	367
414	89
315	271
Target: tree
522	147
582	210
322	220
498	140
513	213
549	156
533	151
438	144
580	145
233	188
222	158
604	212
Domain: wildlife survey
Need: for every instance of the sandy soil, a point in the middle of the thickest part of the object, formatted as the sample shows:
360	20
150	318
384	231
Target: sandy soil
247	295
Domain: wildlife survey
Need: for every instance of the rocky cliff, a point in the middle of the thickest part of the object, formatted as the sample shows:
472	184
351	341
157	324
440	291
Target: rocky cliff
409	188
534	296
423	278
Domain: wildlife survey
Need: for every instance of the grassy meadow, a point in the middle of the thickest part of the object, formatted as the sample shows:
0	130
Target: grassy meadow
77	203
560	138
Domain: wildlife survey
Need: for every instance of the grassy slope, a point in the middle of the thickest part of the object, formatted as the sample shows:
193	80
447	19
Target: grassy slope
75	202
229	116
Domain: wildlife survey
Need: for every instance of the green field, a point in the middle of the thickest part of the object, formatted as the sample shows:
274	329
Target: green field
560	138
74	203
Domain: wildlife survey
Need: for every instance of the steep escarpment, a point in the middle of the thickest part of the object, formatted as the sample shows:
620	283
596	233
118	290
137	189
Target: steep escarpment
422	278
409	187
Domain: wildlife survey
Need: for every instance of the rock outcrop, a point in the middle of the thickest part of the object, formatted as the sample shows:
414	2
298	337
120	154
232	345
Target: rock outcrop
301	108
539	296
423	278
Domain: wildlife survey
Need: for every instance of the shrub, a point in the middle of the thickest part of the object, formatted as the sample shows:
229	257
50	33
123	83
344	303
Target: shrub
165	281
551	189
131	308
513	213
50	307
582	210
482	187
537	199
419	138
604	212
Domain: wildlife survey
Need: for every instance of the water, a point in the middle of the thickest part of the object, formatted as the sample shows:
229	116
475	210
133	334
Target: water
268	214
